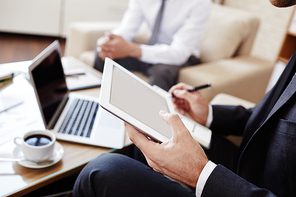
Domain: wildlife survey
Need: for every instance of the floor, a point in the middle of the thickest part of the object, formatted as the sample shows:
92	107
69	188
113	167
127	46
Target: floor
20	47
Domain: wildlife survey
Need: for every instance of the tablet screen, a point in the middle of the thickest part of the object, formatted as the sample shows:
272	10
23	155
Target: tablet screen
139	101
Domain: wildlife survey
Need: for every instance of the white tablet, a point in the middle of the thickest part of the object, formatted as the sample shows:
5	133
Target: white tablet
136	102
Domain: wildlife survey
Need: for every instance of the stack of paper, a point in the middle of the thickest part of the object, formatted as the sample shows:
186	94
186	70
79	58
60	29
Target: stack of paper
79	76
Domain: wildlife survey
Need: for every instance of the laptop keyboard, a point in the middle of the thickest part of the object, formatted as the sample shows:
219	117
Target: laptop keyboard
80	118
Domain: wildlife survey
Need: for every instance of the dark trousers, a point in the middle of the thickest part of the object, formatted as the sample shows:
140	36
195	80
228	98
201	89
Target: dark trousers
164	76
120	175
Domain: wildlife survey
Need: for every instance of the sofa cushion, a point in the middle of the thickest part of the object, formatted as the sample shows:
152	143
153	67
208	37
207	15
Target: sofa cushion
226	30
236	76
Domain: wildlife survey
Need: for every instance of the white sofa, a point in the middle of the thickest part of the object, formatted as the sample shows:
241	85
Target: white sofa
226	57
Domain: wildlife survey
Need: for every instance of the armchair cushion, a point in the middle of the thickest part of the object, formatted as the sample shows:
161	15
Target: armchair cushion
225	32
242	76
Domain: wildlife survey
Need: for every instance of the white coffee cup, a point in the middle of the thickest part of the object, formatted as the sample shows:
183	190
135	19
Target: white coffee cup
37	145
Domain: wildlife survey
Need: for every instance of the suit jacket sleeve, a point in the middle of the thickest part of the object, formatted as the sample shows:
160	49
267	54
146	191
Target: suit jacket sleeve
230	120
223	182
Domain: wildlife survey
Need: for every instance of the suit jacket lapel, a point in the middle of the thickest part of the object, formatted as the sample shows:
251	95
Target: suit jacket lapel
290	90
264	108
278	96
287	94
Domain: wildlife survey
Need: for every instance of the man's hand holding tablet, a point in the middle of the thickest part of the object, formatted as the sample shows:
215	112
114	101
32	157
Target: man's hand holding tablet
169	157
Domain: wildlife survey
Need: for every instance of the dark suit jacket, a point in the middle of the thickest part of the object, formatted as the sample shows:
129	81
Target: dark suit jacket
267	161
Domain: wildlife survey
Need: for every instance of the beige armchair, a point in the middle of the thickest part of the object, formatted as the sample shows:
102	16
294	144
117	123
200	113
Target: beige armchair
226	57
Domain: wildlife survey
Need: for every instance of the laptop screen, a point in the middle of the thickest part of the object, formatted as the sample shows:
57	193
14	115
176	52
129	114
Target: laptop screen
50	84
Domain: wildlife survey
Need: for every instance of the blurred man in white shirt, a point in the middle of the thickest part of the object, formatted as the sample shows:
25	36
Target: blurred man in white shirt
175	46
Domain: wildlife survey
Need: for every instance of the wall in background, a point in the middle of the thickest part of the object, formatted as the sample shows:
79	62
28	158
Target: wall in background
51	17
30	16
273	26
93	10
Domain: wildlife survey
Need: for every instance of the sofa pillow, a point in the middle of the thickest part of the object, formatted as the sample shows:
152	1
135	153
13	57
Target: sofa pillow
227	28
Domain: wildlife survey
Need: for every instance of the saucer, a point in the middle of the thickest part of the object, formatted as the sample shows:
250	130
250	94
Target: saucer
57	156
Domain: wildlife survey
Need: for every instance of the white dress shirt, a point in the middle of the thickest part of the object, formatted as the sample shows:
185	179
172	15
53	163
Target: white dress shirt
209	167
182	25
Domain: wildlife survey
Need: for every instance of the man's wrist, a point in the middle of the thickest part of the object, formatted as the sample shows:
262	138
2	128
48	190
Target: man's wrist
203	177
135	50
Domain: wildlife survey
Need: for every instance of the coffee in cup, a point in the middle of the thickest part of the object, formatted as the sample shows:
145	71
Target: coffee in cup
38	140
37	145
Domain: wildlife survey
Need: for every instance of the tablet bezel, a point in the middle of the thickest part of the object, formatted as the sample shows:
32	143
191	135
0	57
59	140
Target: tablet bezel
105	95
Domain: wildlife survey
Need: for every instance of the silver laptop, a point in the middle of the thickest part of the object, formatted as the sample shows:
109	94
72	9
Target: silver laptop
71	116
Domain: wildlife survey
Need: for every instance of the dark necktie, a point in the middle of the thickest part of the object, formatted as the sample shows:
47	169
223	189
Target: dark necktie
156	28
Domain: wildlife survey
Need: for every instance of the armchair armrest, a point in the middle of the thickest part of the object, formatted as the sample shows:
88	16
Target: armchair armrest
226	99
82	36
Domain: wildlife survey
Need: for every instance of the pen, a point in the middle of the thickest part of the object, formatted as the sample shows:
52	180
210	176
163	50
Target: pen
197	88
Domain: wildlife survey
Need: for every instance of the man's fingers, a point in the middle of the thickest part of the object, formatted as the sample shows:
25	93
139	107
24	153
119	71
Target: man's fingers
113	36
188	96
138	138
181	94
106	47
179	86
174	121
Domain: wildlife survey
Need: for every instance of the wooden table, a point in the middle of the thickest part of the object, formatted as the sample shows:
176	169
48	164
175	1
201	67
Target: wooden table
16	180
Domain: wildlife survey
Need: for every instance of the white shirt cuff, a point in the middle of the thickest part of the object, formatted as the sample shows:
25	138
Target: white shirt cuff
210	117
203	177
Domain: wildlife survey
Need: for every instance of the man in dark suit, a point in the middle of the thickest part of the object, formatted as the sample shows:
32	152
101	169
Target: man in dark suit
264	164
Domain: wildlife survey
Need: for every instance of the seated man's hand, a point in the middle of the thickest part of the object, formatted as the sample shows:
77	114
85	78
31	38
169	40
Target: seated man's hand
115	47
180	158
100	42
192	102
